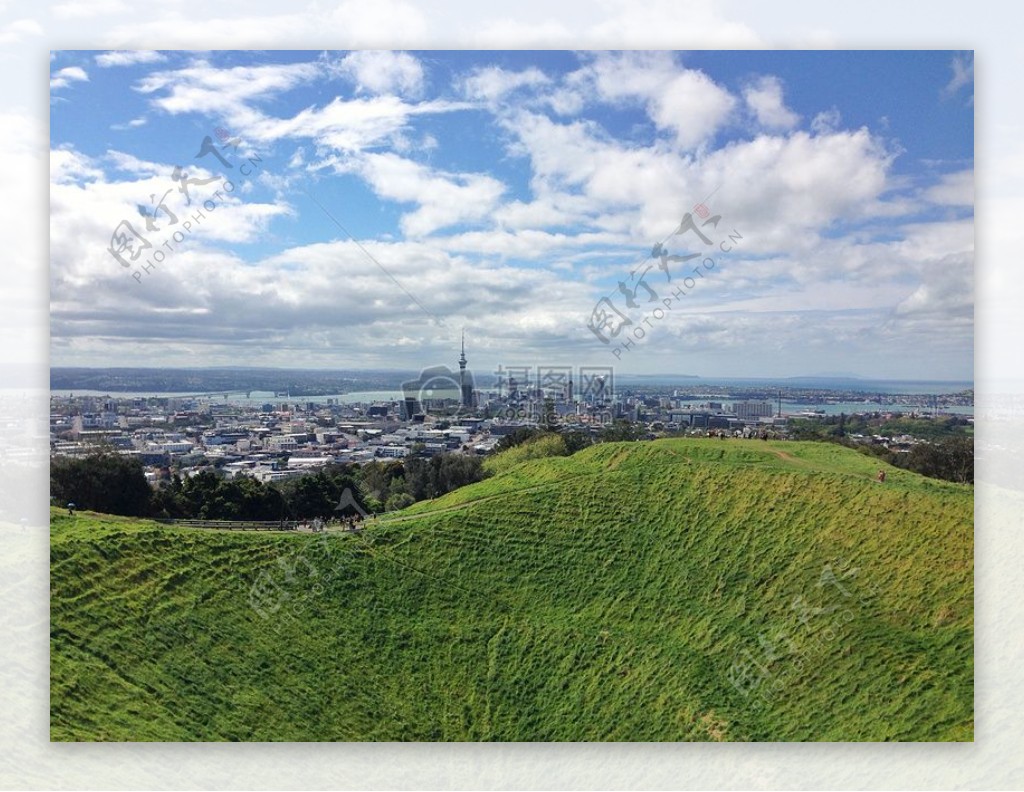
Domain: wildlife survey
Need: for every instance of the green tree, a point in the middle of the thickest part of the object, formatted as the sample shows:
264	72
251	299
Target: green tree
951	459
576	440
104	482
399	500
620	430
517	437
431	478
549	419
197	491
168	500
314	495
545	445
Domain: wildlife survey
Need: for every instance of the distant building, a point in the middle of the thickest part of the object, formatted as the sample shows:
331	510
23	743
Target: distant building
694	418
282	442
749	409
267	475
303	462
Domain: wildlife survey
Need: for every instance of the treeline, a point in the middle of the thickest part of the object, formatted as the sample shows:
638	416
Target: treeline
574	440
842	425
555	440
116	484
947	453
951	459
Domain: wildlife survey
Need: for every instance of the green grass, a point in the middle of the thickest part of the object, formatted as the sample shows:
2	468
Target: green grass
611	595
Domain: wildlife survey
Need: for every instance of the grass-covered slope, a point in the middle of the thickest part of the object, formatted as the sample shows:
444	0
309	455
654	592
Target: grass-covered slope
674	590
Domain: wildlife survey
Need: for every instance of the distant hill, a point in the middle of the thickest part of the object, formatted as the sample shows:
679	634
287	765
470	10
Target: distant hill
296	382
689	589
841	375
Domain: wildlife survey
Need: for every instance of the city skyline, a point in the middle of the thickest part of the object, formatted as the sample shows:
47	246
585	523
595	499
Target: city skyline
384	200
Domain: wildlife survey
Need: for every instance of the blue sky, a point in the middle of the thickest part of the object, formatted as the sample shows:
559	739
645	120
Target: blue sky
509	193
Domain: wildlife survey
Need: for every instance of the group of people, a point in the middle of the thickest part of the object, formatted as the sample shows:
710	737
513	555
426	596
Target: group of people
318	524
725	433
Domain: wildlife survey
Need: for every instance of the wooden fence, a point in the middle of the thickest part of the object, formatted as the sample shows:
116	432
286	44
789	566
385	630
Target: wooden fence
237	525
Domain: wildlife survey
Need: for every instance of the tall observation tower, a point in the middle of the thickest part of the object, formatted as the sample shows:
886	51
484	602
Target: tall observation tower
466	389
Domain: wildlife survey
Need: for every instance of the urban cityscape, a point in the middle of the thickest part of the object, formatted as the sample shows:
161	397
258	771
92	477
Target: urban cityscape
272	436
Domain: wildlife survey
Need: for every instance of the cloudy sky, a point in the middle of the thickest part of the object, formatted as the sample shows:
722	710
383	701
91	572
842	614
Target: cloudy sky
382	201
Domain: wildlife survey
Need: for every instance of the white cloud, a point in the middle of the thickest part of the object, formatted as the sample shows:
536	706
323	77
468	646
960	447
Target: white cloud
383	71
694	107
684	101
559	153
347	125
787	190
128	57
134	166
527	244
565	101
67	165
784	190
764	98
86	206
133	124
946	291
491	83
924	242
826	121
202	88
963	74
233	94
548	210
953	189
443	199
68	75
312	301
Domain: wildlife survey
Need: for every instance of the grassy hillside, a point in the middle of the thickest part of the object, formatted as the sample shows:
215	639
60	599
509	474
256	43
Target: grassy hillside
674	590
